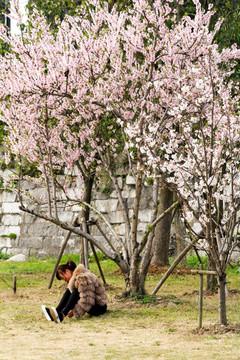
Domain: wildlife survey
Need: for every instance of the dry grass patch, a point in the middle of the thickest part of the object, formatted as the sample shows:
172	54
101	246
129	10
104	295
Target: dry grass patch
134	328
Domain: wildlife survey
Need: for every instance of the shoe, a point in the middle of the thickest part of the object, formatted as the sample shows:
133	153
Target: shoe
47	313
55	315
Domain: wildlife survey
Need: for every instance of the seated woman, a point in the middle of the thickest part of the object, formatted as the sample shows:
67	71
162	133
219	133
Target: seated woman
85	294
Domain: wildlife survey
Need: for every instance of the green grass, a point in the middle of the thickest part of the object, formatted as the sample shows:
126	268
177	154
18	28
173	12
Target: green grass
35	271
42	268
168	318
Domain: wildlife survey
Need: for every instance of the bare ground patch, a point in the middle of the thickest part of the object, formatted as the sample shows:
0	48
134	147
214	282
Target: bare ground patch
129	330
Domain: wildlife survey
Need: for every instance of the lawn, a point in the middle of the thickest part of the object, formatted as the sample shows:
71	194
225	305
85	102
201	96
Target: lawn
164	327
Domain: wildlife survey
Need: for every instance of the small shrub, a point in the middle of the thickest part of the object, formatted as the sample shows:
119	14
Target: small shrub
11	236
143	299
4	256
193	261
100	256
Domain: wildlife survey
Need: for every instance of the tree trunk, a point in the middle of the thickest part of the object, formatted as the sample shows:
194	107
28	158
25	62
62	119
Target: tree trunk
88	184
180	231
134	274
222	300
211	279
145	262
163	229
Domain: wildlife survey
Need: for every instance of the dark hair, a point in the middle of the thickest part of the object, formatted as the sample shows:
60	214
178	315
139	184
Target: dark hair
70	265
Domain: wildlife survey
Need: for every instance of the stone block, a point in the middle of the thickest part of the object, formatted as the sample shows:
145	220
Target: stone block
94	230
27	185
196	227
79	183
120	182
97	195
6	242
31	242
40	253
114	195
130	213
66	216
76	208
75	193
62	232
147	192
6	230
130	180
55	242
18	258
6	174
120	229
116	217
145	203
107	206
28	218
11	219
38	193
145	216
39	229
11	208
142	227
7	196
16	250
100	239
128	193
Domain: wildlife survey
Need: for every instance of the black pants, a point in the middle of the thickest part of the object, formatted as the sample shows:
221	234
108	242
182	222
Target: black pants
69	300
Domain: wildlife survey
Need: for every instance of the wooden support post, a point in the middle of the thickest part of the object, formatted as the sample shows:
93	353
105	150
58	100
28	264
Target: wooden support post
172	267
98	264
14	284
200	298
85	245
61	252
201	272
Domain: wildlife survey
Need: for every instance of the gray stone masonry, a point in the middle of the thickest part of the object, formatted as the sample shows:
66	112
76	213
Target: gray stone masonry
23	233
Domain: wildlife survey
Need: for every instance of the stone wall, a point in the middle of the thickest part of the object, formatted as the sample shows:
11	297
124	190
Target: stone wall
24	233
21	232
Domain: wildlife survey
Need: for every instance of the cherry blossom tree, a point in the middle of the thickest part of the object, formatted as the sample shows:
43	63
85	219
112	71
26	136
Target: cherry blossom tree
139	82
55	103
201	154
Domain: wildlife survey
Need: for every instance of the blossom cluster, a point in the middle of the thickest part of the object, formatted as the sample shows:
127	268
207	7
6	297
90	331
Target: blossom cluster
109	82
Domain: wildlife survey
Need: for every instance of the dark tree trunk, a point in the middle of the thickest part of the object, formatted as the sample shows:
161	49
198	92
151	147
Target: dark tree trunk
163	229
134	274
211	285
88	184
180	232
222	299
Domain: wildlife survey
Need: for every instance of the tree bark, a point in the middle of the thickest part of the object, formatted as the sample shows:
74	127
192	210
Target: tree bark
180	234
211	279
222	299
163	229
88	184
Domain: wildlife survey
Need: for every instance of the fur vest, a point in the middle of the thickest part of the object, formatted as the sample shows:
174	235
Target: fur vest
91	290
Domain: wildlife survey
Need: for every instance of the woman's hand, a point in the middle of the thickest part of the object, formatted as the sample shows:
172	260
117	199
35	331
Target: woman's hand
70	314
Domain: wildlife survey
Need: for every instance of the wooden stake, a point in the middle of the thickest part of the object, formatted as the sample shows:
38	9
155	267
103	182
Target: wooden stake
200	298
172	267
98	264
201	272
14	284
61	252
